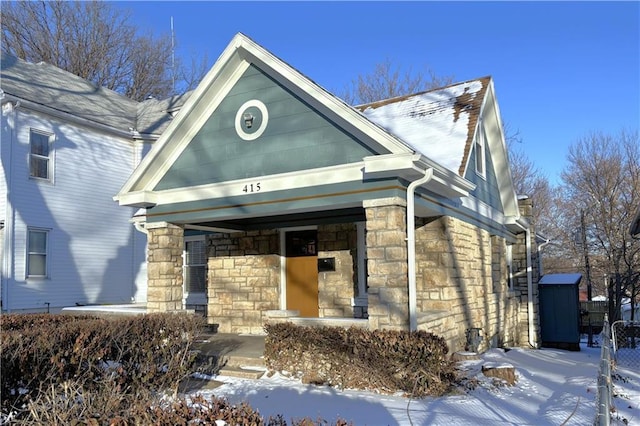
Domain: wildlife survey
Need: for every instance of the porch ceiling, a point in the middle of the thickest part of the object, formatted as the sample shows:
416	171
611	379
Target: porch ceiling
347	215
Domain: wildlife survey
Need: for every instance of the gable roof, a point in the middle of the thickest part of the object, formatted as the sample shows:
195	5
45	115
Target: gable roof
438	123
401	159
62	92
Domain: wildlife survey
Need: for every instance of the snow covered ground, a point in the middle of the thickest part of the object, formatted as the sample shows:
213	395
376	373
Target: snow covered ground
554	387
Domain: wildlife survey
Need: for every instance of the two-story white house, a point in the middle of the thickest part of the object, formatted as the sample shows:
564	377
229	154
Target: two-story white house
67	147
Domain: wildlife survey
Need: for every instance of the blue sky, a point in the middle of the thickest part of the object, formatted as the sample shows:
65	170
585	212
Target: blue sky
561	69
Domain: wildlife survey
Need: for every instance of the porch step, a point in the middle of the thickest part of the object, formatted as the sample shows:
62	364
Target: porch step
242	373
243	367
238	361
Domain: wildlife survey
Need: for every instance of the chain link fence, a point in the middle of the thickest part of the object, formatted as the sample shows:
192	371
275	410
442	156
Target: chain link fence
605	387
625	338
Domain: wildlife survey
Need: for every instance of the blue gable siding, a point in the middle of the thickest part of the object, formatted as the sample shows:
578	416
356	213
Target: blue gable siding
297	137
487	189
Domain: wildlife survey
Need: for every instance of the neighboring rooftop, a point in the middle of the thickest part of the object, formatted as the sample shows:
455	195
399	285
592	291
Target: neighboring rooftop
54	88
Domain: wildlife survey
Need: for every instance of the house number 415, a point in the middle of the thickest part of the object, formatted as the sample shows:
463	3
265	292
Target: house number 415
252	187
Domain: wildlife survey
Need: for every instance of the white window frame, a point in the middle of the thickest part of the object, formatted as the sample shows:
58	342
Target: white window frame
186	293
29	252
48	158
510	280
480	151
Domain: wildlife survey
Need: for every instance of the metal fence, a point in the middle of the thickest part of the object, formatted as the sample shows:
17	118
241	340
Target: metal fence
625	337
605	387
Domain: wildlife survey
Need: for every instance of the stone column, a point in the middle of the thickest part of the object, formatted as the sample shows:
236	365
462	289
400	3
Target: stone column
520	264
164	267
387	264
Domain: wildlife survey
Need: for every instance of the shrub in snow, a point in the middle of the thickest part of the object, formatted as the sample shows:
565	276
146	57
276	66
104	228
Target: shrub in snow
388	361
40	352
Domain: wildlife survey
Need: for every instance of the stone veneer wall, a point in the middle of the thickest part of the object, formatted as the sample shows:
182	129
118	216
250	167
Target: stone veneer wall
387	264
164	267
243	280
462	281
520	280
507	301
337	288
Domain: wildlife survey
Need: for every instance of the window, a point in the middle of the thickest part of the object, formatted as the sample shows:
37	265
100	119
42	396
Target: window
510	266
480	152
37	252
40	155
195	266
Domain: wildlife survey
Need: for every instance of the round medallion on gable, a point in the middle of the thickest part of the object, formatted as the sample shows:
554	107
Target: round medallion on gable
251	120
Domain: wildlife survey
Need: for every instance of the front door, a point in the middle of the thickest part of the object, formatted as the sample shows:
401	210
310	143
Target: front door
302	272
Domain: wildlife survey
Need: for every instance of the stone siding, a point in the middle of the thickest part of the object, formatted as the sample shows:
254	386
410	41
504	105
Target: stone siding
462	275
243	280
387	266
164	267
337	288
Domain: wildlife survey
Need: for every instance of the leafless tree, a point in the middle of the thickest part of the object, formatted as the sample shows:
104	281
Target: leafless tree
529	180
388	81
93	40
602	182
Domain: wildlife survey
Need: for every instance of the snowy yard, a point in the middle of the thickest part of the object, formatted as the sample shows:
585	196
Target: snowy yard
554	387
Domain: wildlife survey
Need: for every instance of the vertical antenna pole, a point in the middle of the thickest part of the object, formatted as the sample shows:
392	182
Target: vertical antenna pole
173	60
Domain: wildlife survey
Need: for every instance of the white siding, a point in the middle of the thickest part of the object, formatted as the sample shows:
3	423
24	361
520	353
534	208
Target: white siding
95	255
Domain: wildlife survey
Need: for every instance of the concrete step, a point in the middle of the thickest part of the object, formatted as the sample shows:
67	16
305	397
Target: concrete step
242	373
242	361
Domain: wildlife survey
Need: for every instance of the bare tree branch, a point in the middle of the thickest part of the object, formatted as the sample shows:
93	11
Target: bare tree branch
387	81
92	40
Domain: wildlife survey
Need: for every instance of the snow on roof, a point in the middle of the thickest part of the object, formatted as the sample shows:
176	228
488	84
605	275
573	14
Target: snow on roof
439	124
560	279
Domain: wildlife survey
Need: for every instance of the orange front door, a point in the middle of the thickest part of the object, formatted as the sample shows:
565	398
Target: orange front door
302	272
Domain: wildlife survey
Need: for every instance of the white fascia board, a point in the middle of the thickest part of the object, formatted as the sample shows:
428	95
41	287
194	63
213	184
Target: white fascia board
390	165
516	224
500	156
411	167
180	132
192	116
451	184
280	182
140	199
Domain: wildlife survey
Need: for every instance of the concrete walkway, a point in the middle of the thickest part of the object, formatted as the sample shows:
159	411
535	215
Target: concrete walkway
233	355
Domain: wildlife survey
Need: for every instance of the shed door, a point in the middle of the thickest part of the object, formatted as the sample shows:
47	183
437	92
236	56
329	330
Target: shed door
302	272
559	314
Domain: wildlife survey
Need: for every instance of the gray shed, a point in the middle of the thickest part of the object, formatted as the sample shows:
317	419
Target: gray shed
560	311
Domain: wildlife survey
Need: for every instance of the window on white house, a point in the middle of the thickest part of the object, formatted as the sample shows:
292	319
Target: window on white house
40	155
37	242
195	266
480	152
